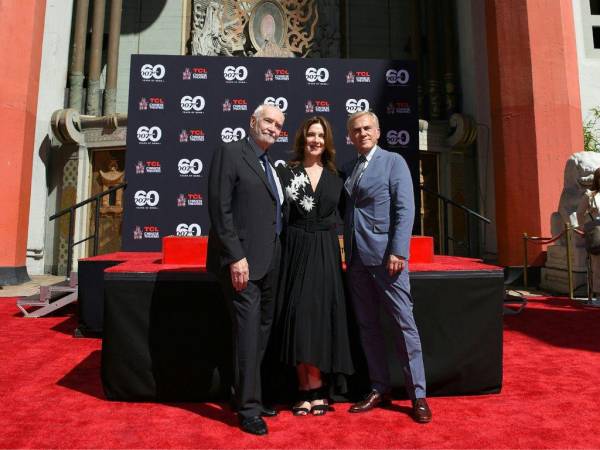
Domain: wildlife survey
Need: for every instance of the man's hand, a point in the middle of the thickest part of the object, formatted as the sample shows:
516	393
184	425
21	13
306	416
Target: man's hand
395	265
239	274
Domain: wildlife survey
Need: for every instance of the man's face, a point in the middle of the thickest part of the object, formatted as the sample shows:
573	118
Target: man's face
364	133
266	128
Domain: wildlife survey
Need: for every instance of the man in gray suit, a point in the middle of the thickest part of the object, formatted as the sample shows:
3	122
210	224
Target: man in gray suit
379	218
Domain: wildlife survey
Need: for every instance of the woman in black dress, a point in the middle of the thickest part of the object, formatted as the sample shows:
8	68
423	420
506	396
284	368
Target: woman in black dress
313	319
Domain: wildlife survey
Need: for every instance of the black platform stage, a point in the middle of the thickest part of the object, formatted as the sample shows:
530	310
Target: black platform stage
166	331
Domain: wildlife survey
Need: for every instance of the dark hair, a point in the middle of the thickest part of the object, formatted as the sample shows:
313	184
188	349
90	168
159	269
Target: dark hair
596	181
328	155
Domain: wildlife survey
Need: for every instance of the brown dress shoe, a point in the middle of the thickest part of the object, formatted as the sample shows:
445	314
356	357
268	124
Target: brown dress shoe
421	412
371	401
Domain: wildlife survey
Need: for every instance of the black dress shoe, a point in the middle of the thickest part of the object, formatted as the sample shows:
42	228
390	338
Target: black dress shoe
372	400
267	411
421	412
253	425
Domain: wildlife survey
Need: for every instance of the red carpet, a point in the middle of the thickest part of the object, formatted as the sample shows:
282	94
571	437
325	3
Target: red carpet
51	397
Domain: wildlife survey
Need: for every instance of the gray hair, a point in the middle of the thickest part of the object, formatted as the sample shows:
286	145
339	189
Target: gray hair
260	109
358	114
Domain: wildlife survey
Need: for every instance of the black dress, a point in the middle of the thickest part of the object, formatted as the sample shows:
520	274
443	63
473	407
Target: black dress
312	319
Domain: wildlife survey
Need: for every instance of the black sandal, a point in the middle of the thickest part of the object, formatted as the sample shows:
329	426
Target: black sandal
300	408
319	395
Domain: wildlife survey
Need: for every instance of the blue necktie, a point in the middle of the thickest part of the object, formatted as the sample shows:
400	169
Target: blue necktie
273	187
352	182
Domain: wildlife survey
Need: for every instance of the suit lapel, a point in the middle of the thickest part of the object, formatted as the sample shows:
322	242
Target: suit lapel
250	157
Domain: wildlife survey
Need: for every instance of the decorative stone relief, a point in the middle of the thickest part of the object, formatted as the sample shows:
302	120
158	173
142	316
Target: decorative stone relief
254	27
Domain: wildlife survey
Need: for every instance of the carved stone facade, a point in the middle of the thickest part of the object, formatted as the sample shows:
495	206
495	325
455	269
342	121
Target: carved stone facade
283	28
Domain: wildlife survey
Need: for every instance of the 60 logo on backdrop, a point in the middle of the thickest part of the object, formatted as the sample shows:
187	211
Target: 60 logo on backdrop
232	73
153	72
192	229
394	76
353	105
232	134
146	198
398	137
190	166
314	75
192	104
280	102
148	134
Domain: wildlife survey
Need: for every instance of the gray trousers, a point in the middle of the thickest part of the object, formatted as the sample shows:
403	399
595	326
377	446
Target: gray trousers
370	288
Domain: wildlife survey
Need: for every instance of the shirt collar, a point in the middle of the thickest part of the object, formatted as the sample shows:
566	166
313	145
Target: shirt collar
370	153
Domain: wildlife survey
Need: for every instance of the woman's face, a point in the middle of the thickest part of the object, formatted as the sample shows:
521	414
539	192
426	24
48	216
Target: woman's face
314	145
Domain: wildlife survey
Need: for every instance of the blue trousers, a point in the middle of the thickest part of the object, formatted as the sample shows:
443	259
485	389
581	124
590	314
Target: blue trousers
371	287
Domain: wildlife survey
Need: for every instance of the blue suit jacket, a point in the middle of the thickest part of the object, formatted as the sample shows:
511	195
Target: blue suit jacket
380	216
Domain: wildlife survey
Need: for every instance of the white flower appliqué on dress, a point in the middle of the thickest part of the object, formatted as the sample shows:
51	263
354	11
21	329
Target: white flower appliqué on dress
307	203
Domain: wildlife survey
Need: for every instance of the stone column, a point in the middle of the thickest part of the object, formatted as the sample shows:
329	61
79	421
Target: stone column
22	29
536	115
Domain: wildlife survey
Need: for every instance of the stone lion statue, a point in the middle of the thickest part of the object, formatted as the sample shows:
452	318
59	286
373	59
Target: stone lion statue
578	176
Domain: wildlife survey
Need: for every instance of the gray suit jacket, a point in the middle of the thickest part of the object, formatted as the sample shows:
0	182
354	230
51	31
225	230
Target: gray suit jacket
381	213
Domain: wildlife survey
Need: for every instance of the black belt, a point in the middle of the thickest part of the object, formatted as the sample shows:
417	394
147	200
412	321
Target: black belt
311	226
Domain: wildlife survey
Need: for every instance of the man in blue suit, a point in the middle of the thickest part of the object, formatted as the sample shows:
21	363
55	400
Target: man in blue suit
379	218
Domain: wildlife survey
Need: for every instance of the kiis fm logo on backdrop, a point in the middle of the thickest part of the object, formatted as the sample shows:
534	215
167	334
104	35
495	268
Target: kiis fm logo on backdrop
280	102
192	229
317	106
146	232
229	134
153	103
277	75
192	105
398	107
190	168
153	73
234	74
195	135
235	104
397	138
397	77
190	199
146	199
359	76
148	167
316	76
149	135
196	73
353	105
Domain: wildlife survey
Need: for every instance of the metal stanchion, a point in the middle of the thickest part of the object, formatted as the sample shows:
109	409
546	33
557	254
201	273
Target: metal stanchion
569	260
525	260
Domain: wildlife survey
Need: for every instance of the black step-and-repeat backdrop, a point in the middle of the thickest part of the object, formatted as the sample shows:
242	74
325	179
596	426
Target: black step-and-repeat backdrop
182	107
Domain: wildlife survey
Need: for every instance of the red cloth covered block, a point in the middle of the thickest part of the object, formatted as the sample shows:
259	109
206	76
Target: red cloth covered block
421	249
185	250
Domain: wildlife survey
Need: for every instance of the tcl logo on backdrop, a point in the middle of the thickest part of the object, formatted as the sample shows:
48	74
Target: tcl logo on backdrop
146	199
280	102
283	136
393	76
192	229
398	107
192	105
151	72
191	199
235	74
353	105
320	106
317	76
190	167
148	135
398	138
232	134
149	232
148	167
